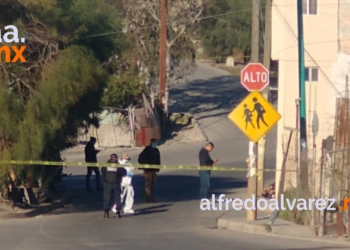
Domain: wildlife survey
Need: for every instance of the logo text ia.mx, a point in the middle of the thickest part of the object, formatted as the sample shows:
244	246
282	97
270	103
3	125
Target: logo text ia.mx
10	36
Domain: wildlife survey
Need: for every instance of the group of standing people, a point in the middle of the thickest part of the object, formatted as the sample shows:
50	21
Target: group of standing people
117	182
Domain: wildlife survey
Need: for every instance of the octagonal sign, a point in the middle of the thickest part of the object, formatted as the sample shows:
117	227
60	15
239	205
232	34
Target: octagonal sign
255	76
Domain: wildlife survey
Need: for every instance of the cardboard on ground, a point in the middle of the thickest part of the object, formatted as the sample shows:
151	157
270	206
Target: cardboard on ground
254	116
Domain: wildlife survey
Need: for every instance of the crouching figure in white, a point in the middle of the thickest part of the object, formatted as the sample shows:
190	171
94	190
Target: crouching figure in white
127	190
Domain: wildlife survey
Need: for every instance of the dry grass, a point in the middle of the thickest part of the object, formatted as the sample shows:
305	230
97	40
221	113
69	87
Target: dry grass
299	217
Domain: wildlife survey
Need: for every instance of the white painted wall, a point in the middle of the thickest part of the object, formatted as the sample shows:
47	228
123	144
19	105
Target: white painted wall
321	50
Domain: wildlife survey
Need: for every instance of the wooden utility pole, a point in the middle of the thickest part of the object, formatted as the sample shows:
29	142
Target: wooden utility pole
265	92
254	58
162	50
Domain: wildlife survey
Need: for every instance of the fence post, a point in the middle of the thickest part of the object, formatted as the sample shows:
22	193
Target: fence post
297	145
281	182
348	222
340	225
322	196
315	127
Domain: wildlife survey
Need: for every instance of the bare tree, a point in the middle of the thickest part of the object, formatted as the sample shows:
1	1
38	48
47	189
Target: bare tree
143	22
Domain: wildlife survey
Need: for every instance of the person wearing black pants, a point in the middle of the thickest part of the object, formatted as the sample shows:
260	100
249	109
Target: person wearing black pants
112	179
91	157
205	161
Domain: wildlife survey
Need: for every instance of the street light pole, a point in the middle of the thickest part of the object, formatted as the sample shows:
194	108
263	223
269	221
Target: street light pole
302	97
265	92
301	52
253	157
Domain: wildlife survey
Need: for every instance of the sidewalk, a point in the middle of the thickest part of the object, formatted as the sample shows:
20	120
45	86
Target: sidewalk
236	221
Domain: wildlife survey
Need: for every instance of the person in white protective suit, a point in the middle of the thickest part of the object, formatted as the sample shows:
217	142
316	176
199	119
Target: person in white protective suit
127	194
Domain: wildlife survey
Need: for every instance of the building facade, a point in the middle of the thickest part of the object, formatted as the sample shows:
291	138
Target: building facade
327	62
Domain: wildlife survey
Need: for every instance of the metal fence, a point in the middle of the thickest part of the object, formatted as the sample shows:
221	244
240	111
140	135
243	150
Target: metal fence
333	174
336	176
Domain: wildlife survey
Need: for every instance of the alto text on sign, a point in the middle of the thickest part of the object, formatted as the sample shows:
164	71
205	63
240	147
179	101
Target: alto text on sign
255	76
254	116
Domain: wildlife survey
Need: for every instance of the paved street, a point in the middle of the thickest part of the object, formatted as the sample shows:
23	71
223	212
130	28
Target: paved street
176	221
210	95
157	232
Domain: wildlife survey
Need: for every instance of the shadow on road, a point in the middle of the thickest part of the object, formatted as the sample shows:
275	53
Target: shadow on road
216	94
152	210
208	95
169	189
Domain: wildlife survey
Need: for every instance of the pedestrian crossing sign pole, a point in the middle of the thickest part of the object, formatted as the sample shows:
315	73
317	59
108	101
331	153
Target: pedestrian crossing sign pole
255	117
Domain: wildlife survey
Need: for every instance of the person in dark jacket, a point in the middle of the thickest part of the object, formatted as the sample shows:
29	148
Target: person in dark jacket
150	156
205	160
112	179
91	156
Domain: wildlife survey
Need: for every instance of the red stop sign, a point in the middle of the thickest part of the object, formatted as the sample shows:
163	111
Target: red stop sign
255	76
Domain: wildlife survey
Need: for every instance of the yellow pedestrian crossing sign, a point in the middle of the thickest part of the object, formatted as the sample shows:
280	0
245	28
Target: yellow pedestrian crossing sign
254	116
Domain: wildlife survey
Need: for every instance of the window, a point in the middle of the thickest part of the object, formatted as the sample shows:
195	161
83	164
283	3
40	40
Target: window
311	74
310	7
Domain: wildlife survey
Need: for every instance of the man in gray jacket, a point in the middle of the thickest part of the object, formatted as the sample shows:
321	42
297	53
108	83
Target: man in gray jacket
112	178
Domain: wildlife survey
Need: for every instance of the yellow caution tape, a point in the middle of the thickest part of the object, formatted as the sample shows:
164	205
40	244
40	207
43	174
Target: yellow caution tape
177	167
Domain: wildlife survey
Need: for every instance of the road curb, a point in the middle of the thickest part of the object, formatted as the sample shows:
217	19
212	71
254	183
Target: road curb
263	230
243	227
40	210
199	130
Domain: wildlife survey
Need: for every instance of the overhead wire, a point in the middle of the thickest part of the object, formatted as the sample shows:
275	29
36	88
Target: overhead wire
336	5
228	13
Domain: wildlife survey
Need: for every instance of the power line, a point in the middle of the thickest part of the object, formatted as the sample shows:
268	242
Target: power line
211	16
289	29
156	25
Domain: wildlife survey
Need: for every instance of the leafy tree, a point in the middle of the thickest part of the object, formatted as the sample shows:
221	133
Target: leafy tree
125	86
86	23
124	91
143	22
47	123
45	101
226	27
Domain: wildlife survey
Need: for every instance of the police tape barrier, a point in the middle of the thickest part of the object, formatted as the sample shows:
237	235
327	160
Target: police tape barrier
177	167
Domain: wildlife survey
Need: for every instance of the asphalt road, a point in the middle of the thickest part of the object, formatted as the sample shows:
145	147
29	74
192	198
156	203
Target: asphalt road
210	94
87	231
175	221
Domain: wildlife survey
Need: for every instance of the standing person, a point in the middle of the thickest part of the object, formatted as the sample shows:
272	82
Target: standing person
127	188
205	160
150	156
91	157
112	178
